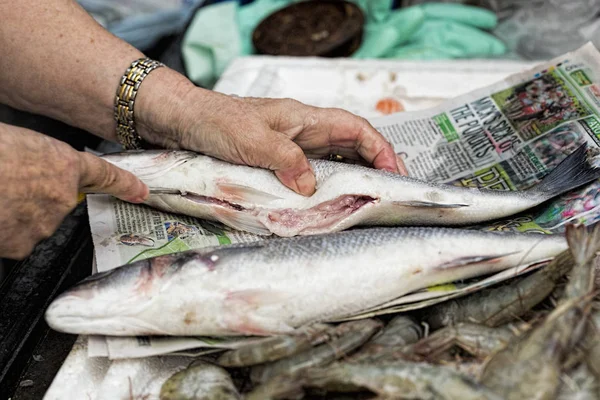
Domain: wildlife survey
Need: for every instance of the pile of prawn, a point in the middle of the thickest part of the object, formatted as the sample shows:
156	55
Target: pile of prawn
536	337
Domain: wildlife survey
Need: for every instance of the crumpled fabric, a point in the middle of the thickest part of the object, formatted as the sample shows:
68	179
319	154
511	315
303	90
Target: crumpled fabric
141	23
223	31
447	31
544	29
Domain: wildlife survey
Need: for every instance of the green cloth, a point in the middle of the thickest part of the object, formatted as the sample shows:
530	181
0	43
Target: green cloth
223	31
211	42
381	38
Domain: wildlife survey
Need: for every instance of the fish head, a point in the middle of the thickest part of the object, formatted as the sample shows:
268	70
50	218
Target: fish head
115	302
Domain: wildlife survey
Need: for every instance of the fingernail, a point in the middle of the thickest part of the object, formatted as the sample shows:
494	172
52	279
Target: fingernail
306	183
401	167
140	199
146	191
137	200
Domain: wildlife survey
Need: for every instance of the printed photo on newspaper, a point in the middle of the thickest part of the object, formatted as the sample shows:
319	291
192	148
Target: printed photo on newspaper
505	137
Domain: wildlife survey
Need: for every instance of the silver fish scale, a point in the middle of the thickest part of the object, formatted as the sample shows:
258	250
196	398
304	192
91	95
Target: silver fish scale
323	169
331	246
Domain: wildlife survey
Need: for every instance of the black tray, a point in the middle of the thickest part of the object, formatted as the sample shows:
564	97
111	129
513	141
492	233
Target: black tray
30	353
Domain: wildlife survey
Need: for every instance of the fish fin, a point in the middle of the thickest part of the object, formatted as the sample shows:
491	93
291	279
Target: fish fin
572	172
243	221
416	203
149	164
470	260
260	326
583	243
246	193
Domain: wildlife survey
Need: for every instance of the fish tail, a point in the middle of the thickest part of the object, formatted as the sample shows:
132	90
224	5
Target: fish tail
573	172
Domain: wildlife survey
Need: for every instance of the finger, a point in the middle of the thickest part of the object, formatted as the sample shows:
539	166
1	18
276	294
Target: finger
369	143
18	247
279	154
401	166
315	129
363	145
100	176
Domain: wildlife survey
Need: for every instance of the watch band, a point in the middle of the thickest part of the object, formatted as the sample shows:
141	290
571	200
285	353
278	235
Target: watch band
125	101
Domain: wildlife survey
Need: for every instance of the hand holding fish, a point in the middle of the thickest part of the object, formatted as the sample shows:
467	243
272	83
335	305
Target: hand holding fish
277	134
40	178
69	68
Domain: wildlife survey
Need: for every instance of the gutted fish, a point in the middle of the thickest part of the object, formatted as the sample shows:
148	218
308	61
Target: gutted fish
277	285
253	199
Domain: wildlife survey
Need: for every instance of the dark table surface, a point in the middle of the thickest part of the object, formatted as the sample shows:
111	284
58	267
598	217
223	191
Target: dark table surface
31	353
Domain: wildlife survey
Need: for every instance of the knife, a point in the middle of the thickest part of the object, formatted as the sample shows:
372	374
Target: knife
152	191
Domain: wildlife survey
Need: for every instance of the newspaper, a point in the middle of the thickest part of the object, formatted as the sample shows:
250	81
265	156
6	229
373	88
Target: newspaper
508	136
436	294
505	137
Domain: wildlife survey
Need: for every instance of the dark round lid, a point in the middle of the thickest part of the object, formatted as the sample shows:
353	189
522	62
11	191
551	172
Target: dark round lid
326	28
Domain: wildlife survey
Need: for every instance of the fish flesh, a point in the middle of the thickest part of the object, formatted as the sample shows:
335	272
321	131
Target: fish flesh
253	200
276	285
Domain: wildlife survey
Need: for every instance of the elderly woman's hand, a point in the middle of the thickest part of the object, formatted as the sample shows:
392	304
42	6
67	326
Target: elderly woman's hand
41	178
269	133
81	71
69	68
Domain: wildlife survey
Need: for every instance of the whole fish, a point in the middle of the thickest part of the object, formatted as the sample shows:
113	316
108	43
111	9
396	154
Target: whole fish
200	381
274	286
253	199
593	337
397	380
274	348
478	340
531	365
344	339
499	305
579	384
400	332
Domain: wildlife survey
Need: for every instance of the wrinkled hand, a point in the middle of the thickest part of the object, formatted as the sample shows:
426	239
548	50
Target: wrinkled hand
41	178
269	133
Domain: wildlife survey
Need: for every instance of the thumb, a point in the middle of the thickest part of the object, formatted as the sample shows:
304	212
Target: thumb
99	176
288	161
